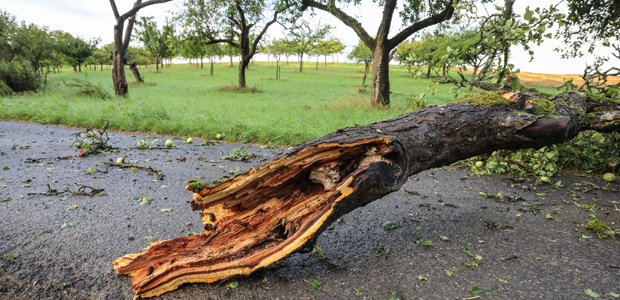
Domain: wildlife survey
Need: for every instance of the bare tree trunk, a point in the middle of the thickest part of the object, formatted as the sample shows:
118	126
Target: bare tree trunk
366	67
380	77
118	73
136	74
268	213
242	66
301	62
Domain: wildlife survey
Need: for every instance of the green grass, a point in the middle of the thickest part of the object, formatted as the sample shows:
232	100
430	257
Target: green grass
185	100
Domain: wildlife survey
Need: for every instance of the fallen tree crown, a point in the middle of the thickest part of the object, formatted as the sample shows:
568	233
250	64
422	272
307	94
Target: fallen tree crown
280	208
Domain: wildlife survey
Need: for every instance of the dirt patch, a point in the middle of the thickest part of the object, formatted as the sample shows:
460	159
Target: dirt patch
530	242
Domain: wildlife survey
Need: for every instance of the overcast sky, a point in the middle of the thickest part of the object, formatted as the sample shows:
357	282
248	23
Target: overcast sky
94	19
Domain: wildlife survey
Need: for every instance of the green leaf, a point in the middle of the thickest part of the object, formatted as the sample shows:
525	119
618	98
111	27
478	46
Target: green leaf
5	168
528	14
425	243
476	291
318	252
590	293
165	209
5	199
70	224
393	296
232	284
450	271
422	278
315	285
614	294
389	225
444	238
71	207
13	256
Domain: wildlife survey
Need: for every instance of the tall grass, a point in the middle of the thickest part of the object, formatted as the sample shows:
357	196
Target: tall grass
185	100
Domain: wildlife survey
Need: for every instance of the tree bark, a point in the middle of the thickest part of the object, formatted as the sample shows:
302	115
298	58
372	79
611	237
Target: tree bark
242	66
282	207
380	77
136	74
118	73
366	67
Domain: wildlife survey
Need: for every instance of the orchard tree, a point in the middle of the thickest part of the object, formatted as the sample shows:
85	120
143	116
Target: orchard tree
304	37
212	51
121	42
233	23
101	57
334	47
416	16
76	50
159	43
362	54
277	48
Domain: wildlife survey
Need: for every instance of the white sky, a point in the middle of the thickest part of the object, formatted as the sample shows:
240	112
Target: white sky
94	18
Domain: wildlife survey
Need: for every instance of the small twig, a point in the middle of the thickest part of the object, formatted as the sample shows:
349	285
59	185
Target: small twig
36	160
520	165
561	231
158	172
82	190
615	267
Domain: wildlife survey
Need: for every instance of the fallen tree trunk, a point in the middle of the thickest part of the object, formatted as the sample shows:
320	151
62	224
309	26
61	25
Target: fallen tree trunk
280	208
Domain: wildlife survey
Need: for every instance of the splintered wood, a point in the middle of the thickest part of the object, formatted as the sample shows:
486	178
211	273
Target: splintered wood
253	220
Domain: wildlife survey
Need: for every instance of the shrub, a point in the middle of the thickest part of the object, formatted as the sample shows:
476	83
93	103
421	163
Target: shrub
18	76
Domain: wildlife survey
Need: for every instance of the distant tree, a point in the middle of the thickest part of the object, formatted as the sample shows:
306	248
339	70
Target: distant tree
76	50
33	44
101	57
158	42
304	37
321	48
277	48
233	23
231	52
334	47
121	42
213	51
362	54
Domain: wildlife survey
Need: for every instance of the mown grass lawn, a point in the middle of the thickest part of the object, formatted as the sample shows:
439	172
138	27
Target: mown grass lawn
185	100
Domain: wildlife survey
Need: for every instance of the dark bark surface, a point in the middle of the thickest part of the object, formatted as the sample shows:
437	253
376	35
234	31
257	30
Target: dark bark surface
136	73
280	208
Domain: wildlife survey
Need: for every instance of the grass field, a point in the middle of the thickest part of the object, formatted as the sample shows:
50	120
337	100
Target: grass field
185	100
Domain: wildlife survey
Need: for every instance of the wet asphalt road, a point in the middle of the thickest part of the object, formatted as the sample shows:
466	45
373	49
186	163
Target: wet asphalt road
529	244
